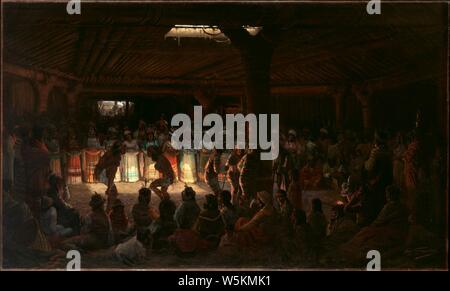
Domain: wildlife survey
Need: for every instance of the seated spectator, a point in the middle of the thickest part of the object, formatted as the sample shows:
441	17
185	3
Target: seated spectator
134	250
295	190
387	233
341	228
119	220
260	229
49	218
302	233
97	231
360	201
22	233
189	210
285	205
210	225
164	226
141	211
394	212
185	241
318	223
229	241
68	216
228	211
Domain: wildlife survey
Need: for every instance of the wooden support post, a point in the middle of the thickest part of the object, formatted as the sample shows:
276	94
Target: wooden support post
364	96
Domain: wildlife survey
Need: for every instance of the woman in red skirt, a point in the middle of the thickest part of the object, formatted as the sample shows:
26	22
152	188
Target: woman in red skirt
73	175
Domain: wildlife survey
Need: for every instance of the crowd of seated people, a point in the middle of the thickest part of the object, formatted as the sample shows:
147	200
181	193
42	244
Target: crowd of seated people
381	183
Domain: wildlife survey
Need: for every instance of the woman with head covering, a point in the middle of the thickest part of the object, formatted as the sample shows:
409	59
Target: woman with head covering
97	229
67	215
189	210
141	210
119	220
55	152
210	225
227	209
91	155
164	226
149	172
49	220
130	166
73	159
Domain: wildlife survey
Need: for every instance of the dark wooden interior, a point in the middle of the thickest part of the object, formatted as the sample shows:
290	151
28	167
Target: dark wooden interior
319	56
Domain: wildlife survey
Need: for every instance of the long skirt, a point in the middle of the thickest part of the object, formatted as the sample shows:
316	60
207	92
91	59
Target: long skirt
130	167
55	165
188	169
74	168
150	173
91	158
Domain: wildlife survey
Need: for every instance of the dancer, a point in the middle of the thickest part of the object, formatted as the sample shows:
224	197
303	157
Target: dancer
109	163
160	185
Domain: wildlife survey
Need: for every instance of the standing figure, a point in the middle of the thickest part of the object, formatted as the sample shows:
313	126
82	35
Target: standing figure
91	156
212	170
295	148
282	166
412	172
249	169
37	170
141	133
166	175
188	169
130	167
379	170
108	164
294	193
73	175
162	124
109	142
149	171
233	174
55	153
172	155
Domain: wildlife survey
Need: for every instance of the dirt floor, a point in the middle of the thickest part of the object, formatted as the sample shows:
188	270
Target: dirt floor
128	193
250	259
80	195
